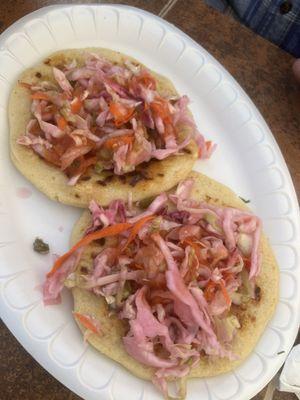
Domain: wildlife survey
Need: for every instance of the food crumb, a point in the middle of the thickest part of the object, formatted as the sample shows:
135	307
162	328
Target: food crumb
40	246
244	200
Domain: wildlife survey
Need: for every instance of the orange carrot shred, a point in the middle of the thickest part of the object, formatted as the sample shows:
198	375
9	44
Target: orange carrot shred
116	142
136	228
209	291
225	293
105	232
121	113
61	123
194	246
76	105
160	107
86	322
39	96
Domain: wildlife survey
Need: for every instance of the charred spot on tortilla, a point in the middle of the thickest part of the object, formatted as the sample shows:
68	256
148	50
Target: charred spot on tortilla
102	183
86	178
257	293
38	75
137	176
109	179
122	178
77	195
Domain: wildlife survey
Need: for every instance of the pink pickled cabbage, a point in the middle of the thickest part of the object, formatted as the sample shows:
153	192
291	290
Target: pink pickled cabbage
91	104
174	284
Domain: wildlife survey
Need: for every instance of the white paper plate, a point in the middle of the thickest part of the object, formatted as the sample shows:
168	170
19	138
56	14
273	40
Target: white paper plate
248	159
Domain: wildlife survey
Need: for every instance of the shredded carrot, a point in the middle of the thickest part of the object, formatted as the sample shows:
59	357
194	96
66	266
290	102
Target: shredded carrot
209	291
225	293
105	232
194	246
121	113
61	123
115	142
227	275
39	96
160	107
146	80
76	105
52	109
86	322
136	228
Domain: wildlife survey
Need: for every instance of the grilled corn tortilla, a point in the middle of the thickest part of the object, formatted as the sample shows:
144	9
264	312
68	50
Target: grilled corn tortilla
253	319
149	179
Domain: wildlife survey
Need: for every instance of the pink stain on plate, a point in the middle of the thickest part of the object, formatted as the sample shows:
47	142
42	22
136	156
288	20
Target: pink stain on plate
24	193
61	228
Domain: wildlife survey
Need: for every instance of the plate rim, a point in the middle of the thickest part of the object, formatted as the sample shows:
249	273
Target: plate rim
280	161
